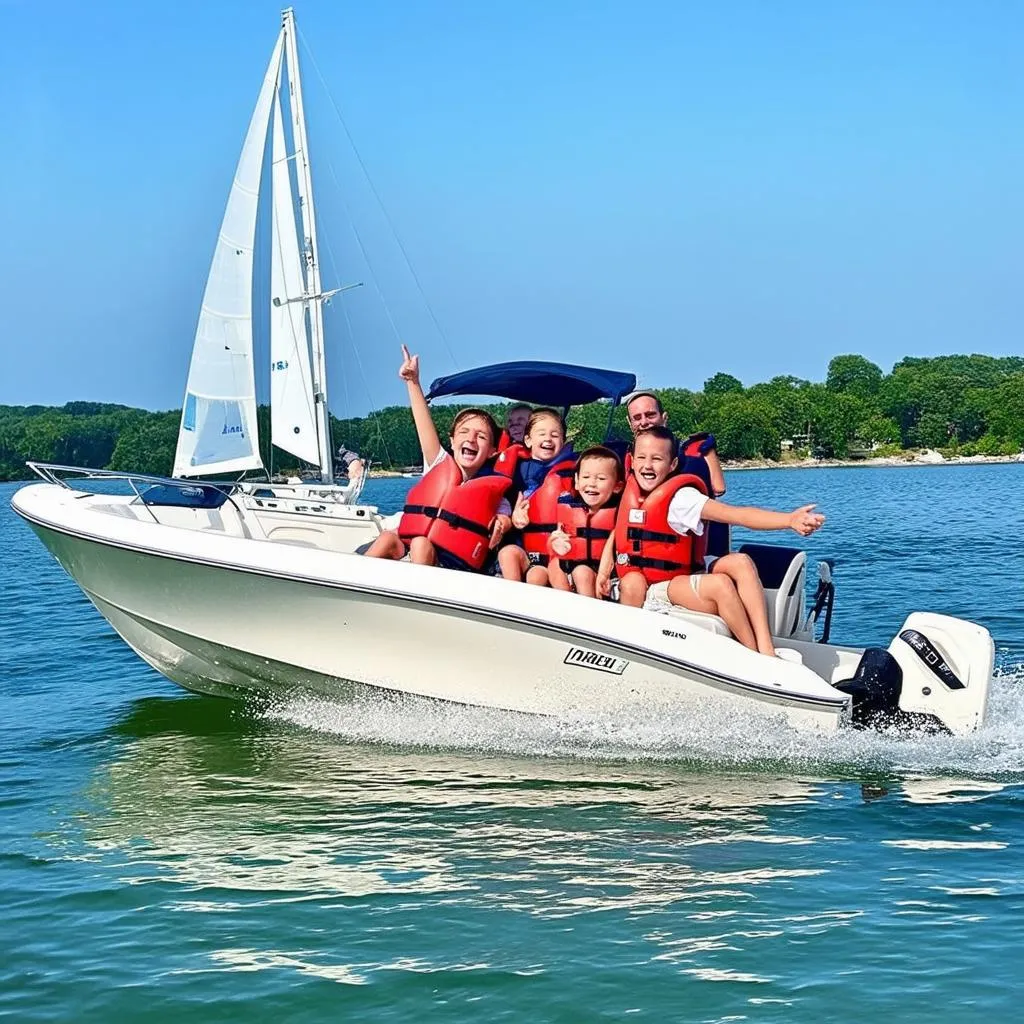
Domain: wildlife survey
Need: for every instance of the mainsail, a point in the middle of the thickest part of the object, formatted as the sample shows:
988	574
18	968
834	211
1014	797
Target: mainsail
218	423
292	409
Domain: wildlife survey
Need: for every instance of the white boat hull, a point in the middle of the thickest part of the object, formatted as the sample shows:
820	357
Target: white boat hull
221	614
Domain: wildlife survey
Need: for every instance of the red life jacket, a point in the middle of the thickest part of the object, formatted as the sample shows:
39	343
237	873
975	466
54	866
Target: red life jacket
588	531
507	459
455	515
504	441
644	542
544	507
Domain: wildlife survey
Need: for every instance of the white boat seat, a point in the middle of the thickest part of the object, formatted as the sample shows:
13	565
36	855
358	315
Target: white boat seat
783	573
657	601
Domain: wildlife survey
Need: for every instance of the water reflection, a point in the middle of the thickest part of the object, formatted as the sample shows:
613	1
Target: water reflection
710	873
200	794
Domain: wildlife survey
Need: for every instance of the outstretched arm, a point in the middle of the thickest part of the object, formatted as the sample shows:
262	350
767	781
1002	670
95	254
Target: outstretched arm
430	443
803	520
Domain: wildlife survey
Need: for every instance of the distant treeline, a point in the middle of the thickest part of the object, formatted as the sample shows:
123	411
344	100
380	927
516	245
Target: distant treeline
970	404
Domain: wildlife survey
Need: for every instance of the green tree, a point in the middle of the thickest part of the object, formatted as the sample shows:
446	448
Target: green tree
853	375
722	384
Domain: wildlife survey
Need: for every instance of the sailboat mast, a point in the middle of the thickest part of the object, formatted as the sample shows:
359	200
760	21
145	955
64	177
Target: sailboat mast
314	291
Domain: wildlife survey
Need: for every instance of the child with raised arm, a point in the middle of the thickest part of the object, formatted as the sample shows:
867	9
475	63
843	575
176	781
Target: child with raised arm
659	535
457	513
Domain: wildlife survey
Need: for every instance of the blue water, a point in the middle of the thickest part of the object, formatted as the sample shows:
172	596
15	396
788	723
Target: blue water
164	855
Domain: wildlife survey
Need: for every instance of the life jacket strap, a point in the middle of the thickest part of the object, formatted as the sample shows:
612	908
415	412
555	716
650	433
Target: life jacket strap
457	522
661	564
638	533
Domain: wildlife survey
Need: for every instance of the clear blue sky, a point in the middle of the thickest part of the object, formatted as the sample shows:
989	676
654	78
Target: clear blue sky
675	188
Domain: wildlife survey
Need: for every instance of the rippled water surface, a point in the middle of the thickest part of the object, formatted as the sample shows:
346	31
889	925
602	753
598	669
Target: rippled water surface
164	855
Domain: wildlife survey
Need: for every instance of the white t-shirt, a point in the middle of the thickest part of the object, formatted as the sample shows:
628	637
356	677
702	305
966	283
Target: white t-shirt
504	508
684	511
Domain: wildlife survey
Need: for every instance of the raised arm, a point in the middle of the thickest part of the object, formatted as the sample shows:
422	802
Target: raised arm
803	520
430	443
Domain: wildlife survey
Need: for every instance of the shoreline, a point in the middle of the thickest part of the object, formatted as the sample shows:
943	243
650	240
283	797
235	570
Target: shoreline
884	461
908	459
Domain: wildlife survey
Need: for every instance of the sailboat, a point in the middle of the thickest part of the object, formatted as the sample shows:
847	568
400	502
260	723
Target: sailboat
256	588
218	433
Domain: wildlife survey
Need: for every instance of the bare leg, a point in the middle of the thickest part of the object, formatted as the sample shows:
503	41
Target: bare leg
742	571
556	577
422	552
585	580
537	575
632	589
513	562
717	596
387	545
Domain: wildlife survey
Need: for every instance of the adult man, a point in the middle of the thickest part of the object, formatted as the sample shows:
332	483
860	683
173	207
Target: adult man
644	410
697	455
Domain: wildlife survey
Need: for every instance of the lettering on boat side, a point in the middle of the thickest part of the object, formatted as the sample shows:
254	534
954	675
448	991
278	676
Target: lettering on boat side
600	662
672	632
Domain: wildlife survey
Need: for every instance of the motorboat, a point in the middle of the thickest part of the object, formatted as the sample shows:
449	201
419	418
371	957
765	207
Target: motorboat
225	594
244	587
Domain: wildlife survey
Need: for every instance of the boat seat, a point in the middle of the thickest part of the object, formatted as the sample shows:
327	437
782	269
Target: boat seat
657	601
783	573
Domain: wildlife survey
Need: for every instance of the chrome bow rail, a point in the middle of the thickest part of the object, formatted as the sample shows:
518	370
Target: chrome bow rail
54	473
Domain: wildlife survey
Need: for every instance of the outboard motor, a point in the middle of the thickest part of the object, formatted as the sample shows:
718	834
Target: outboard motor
875	691
934	677
947	669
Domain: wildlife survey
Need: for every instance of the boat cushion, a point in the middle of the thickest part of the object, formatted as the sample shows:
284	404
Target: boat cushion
657	601
184	495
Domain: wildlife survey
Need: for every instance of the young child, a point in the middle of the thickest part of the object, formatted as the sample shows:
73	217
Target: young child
516	419
543	464
659	535
586	521
461	485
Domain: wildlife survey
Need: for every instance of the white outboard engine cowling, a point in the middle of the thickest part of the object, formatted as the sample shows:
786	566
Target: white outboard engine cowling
947	669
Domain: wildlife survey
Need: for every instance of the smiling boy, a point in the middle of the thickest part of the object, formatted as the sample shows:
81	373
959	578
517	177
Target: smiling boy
659	536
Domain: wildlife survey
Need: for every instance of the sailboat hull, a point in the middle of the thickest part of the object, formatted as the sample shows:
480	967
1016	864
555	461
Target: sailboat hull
231	616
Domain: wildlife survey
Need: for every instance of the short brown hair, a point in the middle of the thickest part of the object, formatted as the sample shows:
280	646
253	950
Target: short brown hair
543	413
662	434
465	414
599	451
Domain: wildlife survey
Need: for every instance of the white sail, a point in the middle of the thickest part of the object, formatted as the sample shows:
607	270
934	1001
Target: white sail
218	423
304	183
292	410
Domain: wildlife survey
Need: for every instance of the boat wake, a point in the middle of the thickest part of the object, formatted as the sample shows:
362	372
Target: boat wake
711	738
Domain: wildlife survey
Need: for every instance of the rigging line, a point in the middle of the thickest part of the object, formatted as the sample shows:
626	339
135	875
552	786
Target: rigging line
355	349
365	254
380	202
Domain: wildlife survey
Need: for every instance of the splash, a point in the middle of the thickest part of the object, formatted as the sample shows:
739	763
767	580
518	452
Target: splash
711	736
